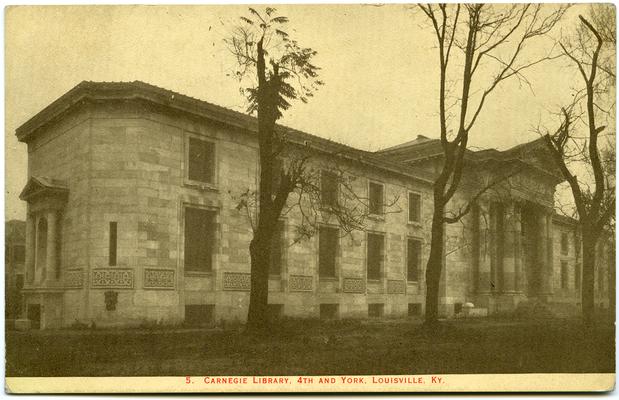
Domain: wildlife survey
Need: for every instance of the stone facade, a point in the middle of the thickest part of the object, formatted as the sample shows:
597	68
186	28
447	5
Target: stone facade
109	193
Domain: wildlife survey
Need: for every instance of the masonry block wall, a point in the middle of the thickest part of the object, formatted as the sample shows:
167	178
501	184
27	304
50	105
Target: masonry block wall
132	202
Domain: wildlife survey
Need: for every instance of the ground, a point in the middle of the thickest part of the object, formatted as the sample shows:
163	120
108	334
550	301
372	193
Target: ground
318	348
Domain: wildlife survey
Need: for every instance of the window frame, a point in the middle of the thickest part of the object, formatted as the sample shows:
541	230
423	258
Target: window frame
381	269
336	182
193	182
382	205
408	199
216	239
564	274
419	260
335	256
565	250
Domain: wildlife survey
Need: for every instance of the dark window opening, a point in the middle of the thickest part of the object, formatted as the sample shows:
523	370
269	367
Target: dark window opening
375	256
563	275
113	243
199	239
327	251
413	260
201	163
328	188
376	310
34	315
376	198
329	311
277	250
457	308
199	314
414	207
414	309
565	246
19	281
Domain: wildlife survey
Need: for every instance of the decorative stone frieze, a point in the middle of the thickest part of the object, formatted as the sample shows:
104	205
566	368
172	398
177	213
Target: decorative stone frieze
300	283
239	281
112	278
158	278
396	286
354	285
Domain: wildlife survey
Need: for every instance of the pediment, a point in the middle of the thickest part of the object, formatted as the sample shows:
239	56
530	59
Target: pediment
39	186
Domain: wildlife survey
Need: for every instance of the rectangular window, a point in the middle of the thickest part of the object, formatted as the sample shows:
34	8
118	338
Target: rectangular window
328	188
113	244
327	251
413	259
199	239
577	276
414	207
563	274
329	311
376	310
375	256
277	250
565	244
414	309
199	314
376	198
201	163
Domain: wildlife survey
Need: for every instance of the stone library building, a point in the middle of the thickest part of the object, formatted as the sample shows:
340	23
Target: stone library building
132	219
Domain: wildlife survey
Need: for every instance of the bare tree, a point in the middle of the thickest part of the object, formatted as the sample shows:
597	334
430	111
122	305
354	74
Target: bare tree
470	39
586	161
290	178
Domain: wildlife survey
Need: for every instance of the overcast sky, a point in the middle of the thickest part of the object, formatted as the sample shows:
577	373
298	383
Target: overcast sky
378	64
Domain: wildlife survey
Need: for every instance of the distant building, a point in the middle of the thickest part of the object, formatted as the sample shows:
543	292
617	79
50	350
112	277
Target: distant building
130	220
14	257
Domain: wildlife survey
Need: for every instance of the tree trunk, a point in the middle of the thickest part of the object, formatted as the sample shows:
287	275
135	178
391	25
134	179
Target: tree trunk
434	266
588	279
611	282
260	254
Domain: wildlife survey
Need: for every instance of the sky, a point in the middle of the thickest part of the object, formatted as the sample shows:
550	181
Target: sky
379	65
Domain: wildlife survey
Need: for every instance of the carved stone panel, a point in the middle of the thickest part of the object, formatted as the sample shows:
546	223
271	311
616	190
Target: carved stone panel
112	278
299	283
158	278
396	286
354	285
74	278
237	281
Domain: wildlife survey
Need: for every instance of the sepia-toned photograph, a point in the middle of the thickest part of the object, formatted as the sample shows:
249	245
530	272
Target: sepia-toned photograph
310	198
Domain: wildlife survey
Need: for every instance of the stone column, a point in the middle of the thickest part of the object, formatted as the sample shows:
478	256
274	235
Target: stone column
52	224
544	262
38	273
509	253
518	261
30	247
484	283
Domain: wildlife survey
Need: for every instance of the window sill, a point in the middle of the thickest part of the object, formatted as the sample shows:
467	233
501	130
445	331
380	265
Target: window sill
199	273
415	224
377	217
275	276
374	281
328	278
412	282
200	185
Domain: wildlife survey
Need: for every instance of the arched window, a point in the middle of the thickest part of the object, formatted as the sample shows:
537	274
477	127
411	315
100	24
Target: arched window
41	244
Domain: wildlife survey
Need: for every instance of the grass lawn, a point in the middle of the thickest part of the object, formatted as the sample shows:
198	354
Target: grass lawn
317	348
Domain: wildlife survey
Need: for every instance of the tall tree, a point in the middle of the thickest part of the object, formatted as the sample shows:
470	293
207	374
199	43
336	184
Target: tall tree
479	46
587	163
291	177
